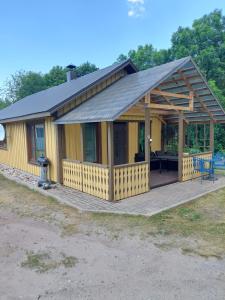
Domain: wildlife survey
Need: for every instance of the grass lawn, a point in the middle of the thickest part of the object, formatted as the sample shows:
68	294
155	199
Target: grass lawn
197	228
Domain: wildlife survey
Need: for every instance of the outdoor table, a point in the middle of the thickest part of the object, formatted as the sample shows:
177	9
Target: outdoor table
166	158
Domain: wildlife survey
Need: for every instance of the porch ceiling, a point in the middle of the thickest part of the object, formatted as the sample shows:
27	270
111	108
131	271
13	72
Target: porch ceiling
180	76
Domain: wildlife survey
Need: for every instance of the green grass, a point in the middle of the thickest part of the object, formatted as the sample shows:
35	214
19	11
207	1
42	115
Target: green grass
42	262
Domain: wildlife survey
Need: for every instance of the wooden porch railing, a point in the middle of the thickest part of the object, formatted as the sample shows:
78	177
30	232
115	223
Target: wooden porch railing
188	171
130	180
86	177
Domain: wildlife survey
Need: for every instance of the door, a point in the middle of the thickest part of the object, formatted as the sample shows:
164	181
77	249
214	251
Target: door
120	131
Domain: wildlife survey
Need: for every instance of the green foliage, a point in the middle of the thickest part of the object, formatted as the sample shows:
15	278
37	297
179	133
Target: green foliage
55	76
23	83
146	56
85	68
4	103
205	42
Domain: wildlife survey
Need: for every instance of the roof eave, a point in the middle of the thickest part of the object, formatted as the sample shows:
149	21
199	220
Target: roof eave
26	117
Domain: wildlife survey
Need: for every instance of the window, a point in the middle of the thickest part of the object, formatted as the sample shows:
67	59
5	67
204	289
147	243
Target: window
91	132
3	136
36	140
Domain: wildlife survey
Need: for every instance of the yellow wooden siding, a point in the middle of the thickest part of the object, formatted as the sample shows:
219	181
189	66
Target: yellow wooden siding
72	141
73	145
132	140
156	134
16	154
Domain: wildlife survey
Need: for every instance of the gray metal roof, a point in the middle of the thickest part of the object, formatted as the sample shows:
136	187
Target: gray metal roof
109	104
44	102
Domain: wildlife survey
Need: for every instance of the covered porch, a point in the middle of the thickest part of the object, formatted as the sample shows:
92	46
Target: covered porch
116	145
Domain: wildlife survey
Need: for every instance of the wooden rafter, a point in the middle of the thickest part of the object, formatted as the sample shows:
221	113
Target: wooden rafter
186	80
174	95
169	107
161	119
169	102
179	79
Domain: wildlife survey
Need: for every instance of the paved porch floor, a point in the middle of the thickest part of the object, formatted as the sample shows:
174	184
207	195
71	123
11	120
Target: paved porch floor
148	204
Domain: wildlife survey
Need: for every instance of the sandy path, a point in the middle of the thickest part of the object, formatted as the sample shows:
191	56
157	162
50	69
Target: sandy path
106	269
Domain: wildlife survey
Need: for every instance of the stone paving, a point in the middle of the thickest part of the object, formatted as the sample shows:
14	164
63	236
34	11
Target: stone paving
148	204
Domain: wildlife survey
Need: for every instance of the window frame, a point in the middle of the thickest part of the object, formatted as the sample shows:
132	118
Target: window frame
30	131
3	144
98	143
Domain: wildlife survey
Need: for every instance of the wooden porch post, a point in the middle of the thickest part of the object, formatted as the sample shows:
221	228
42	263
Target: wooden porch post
211	135
110	159
180	144
60	151
81	142
147	140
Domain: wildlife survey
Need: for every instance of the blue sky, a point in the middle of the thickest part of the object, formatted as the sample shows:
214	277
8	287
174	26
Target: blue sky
36	35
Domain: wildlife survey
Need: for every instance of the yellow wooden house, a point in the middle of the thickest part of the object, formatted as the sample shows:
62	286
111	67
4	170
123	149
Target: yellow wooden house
108	133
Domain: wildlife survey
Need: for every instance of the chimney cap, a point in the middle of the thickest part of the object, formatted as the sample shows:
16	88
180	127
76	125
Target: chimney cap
71	67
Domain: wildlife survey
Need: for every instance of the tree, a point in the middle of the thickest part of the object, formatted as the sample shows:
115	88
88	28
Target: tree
23	83
146	56
205	42
55	76
85	68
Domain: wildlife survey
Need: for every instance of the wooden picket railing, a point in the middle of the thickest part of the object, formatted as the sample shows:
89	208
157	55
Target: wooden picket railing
188	171
72	174
96	180
86	177
130	180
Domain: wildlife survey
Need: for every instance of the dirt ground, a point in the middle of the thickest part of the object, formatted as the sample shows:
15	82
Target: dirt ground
50	251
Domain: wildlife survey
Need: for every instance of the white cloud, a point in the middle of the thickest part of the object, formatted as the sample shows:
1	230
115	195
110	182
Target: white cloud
136	1
130	12
136	8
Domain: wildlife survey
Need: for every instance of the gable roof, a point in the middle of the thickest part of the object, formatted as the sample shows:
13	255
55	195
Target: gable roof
109	104
45	102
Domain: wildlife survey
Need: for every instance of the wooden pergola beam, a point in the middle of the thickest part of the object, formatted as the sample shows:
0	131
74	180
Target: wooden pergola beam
169	102
161	119
169	107
179	79
168	94
185	79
